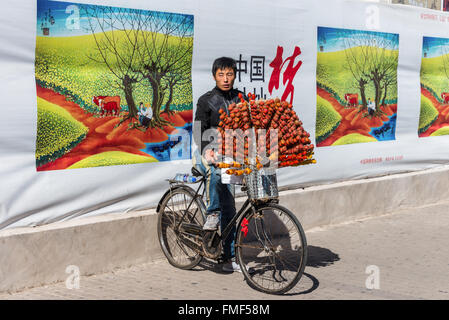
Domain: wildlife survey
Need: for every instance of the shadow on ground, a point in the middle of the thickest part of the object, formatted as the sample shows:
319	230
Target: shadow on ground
317	257
320	257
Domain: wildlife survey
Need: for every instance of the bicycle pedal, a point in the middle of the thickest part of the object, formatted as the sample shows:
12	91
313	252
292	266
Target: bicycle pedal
220	260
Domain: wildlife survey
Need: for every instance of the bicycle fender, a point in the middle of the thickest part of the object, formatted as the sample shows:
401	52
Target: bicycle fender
181	186
165	194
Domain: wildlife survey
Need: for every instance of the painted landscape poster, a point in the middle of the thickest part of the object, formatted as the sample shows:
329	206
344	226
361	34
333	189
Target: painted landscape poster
434	114
113	85
356	86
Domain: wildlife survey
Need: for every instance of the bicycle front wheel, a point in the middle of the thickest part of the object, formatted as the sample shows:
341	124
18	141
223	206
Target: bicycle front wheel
271	248
178	207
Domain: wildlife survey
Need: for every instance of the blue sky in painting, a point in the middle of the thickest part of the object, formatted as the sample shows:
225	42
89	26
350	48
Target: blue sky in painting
333	39
435	47
63	14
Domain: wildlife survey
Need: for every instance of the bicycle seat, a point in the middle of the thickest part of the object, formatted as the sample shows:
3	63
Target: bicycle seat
197	173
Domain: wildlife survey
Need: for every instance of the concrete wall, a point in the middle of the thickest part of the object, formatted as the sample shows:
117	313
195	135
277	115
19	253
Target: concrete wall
37	256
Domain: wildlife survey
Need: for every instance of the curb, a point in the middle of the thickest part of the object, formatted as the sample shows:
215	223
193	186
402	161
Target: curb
38	256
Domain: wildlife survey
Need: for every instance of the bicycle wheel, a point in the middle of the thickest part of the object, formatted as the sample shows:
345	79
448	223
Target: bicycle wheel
271	249
179	204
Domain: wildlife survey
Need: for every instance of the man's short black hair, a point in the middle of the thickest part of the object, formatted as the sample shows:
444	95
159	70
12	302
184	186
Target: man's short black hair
223	63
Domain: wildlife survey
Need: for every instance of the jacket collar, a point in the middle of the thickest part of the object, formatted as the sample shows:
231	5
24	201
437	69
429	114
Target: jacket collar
226	94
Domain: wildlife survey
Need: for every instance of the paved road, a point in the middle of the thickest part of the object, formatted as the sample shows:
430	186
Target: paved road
408	251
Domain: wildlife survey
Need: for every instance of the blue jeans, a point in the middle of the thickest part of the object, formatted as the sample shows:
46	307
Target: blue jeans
220	199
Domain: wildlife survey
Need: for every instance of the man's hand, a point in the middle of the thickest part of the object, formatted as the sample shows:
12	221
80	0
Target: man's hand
274	156
210	156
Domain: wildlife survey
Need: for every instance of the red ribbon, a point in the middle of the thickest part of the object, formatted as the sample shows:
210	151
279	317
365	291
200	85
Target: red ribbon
244	226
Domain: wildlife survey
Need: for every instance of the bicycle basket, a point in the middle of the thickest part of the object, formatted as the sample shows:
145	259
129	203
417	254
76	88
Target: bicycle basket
262	184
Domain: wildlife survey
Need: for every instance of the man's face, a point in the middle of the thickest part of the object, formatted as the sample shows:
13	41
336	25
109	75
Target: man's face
224	79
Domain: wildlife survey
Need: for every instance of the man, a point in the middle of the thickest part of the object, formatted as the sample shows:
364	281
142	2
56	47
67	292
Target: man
145	115
371	107
220	197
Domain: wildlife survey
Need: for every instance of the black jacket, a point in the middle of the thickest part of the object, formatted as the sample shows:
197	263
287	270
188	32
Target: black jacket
207	110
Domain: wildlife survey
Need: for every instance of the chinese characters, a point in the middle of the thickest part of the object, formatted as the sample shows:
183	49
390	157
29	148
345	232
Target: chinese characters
256	73
289	73
285	70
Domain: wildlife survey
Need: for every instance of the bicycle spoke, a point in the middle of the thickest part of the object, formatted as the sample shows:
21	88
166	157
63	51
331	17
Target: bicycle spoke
181	206
270	249
248	246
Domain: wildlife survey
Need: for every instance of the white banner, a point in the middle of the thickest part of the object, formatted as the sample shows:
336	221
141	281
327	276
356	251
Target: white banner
370	83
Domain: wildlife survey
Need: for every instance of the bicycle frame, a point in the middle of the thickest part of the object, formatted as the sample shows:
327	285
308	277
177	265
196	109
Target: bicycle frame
197	195
247	205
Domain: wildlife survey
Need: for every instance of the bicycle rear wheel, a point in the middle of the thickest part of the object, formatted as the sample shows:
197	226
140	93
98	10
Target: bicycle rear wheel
271	248
179	206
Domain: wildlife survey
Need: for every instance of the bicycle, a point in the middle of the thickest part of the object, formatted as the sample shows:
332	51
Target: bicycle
270	244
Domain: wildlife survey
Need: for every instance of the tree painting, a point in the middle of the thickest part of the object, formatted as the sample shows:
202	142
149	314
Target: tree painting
434	112
356	86
104	75
371	60
155	48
